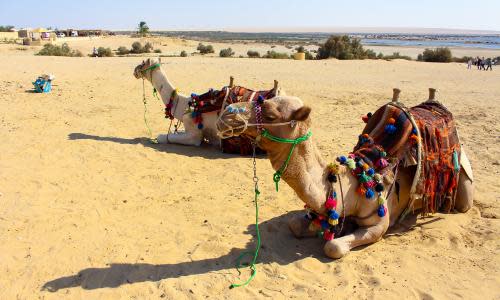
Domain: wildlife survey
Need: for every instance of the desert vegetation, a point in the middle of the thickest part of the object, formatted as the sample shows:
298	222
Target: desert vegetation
54	50
205	49
436	55
253	54
226	52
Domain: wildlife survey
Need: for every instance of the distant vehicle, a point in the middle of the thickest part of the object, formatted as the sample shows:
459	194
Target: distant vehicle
61	35
74	33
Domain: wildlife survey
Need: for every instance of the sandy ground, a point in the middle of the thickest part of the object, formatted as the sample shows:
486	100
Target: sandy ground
90	209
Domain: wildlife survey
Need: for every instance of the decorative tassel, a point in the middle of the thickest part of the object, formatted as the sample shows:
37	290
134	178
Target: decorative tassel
382	210
332	177
361	190
370	184
364	178
390	129
351	164
379	187
382	163
377	177
370	171
324	224
342	159
200	126
330	203
369	193
328	235
333	222
333	214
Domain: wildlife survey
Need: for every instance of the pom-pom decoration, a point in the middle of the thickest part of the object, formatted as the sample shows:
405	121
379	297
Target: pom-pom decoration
328	235
369	193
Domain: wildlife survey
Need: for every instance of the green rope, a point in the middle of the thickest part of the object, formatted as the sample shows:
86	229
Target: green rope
151	67
294	142
151	139
255	252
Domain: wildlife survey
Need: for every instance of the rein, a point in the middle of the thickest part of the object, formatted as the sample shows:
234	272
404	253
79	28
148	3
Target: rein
277	175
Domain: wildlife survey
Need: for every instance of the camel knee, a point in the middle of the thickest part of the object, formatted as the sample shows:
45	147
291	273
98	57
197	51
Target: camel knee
299	226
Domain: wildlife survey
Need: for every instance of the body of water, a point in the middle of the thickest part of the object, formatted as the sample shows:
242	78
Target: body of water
485	42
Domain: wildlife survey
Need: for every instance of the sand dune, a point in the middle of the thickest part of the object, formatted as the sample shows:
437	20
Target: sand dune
90	209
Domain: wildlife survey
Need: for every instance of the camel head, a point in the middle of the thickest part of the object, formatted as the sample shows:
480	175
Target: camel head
282	116
144	69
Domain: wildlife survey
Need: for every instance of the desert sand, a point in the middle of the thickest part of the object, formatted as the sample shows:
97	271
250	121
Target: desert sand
89	208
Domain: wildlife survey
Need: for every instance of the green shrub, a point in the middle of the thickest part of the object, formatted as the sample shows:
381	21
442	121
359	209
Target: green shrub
205	49
63	50
122	50
226	52
184	53
342	47
137	48
157	51
380	55
309	56
6	28
148	47
462	59
253	54
436	55
370	54
104	52
300	49
276	55
396	55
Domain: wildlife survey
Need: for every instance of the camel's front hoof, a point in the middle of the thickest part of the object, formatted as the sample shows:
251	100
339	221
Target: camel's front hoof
336	249
299	226
162	138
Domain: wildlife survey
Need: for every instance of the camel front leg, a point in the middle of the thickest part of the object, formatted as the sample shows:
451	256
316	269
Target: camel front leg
192	136
337	248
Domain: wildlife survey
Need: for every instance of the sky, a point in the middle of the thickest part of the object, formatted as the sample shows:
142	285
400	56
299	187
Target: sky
251	15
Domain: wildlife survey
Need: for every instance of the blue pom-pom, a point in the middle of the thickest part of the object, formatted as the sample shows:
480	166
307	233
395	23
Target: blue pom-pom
369	193
342	159
335	195
200	126
324	224
414	131
230	109
381	211
333	214
260	99
193	114
390	129
193	95
241	109
370	171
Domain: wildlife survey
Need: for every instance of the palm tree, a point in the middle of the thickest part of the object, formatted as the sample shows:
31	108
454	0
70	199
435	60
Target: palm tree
143	28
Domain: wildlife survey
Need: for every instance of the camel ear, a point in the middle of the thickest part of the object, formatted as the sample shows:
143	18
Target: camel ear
269	111
301	114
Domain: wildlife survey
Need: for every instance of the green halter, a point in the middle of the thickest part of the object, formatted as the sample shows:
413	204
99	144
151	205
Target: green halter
277	175
152	67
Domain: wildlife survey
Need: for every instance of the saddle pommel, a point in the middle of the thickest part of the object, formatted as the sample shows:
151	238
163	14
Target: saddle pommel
432	94
395	94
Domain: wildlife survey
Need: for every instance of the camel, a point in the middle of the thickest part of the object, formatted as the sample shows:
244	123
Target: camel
152	71
307	173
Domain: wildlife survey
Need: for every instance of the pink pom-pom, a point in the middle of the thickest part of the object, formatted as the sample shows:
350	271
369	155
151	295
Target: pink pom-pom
330	203
370	184
382	163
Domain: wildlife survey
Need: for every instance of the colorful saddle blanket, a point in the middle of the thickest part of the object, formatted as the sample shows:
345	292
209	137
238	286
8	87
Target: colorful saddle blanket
215	101
390	140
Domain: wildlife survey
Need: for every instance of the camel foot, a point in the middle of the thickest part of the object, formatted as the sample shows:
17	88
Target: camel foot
336	249
299	226
162	139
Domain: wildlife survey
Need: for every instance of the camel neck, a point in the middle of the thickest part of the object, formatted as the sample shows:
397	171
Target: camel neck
161	83
306	174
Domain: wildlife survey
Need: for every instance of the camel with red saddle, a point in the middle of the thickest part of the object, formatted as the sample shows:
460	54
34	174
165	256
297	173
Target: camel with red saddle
198	113
406	160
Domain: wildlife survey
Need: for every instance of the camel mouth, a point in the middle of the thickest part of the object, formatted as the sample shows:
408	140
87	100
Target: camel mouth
137	72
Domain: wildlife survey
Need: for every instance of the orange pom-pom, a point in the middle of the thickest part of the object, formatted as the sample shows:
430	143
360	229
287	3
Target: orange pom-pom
391	121
361	190
366	135
366	167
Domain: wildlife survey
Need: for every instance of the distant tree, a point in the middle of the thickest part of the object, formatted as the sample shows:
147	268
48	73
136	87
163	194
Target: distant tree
300	49
436	55
342	47
143	28
104	52
184	53
6	28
